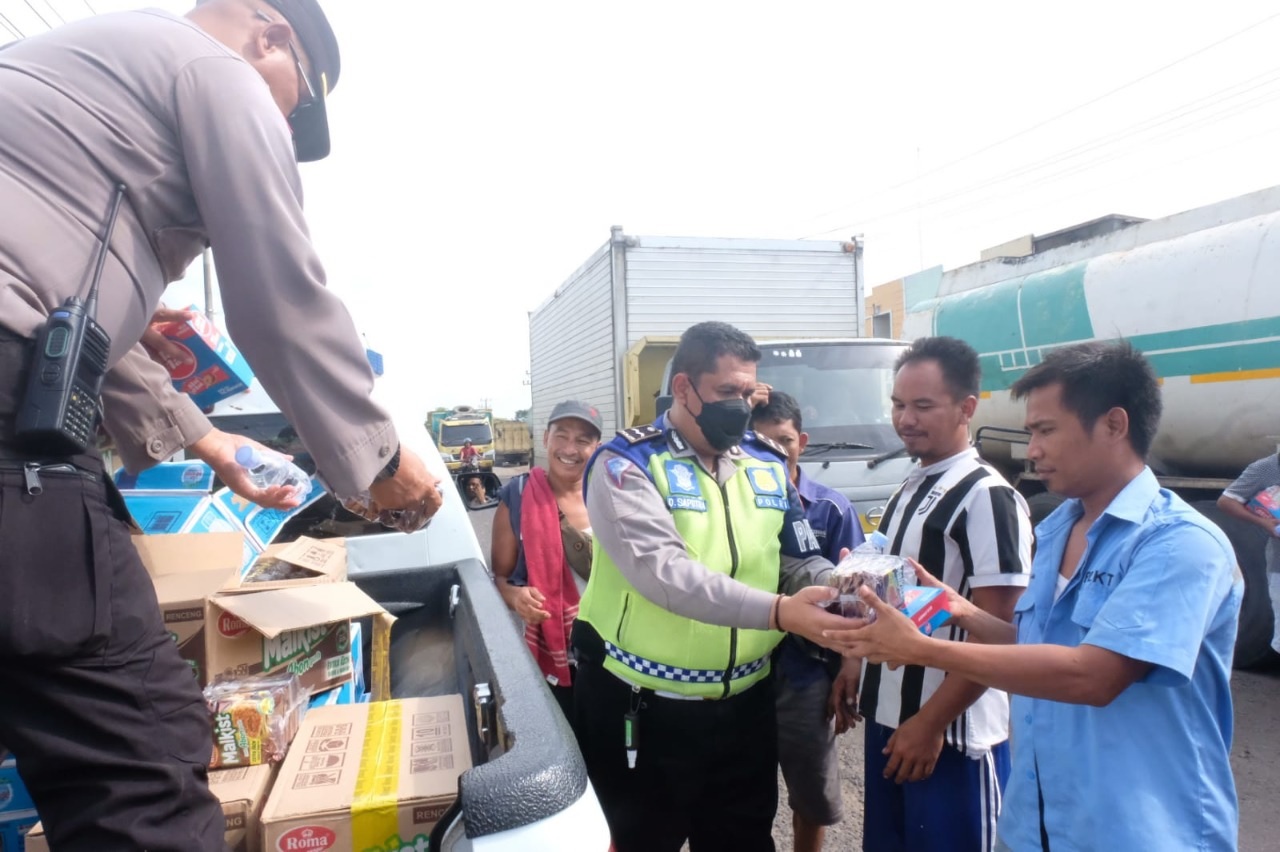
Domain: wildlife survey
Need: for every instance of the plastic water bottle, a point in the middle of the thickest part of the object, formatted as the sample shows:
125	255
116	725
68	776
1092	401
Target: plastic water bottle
877	542
268	469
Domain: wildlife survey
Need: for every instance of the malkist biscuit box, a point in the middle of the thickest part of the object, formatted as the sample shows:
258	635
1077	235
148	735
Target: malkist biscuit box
368	777
304	630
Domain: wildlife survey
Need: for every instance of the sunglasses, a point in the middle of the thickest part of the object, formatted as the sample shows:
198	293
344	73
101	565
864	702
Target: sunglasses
309	120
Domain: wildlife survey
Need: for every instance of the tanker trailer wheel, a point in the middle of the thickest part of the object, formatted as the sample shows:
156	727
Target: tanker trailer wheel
1253	641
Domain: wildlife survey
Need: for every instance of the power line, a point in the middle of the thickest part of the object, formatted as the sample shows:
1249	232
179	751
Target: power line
9	25
1215	101
973	226
36	12
1131	83
56	13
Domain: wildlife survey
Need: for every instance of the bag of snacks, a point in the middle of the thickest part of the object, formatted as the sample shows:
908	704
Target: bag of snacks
254	718
885	575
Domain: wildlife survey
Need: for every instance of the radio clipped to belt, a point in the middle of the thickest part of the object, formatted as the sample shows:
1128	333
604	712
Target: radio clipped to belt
59	412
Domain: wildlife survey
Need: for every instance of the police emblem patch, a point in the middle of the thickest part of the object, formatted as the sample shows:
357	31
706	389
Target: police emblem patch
682	482
764	481
769	490
681	478
616	467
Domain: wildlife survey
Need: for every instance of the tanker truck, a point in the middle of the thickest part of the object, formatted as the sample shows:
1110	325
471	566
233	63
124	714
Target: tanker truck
1198	292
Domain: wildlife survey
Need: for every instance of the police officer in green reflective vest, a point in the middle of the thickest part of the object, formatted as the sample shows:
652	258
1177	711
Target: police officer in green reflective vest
702	558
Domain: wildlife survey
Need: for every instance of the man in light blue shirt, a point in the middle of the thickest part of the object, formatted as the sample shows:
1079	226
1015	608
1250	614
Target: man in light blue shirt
1121	713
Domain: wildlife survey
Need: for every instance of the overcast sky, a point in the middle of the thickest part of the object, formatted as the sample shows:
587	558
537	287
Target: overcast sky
482	150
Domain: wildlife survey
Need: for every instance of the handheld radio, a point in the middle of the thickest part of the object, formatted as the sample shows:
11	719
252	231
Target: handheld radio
59	411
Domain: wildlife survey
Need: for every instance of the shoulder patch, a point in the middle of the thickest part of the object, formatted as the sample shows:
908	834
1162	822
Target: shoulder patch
639	434
771	444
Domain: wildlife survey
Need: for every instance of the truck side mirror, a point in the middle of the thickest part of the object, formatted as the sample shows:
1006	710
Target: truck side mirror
471	494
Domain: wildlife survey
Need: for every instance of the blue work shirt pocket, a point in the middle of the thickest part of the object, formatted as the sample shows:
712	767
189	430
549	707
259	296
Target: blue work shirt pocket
1090	598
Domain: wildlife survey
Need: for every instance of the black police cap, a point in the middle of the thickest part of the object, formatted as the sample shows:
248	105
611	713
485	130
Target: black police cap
318	40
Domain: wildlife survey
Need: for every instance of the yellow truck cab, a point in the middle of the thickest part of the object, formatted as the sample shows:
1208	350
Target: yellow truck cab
460	425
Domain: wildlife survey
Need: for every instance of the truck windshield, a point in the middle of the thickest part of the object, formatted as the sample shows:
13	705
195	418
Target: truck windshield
453	435
843	389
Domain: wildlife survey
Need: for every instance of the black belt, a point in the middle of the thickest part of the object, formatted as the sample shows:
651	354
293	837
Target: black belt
15	458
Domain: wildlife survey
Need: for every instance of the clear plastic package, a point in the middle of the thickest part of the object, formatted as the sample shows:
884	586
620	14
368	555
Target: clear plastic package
254	718
885	575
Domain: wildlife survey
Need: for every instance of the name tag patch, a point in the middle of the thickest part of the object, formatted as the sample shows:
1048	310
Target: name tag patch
688	504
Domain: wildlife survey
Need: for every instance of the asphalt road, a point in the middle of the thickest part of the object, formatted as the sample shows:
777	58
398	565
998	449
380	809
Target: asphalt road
1255	756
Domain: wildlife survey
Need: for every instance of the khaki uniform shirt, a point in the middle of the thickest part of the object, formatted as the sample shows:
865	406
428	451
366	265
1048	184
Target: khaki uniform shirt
150	100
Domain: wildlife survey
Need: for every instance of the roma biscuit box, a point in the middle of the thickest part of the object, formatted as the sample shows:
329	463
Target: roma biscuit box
368	777
210	368
242	792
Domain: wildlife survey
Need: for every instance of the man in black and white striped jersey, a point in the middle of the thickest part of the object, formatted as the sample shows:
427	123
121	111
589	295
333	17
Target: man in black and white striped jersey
937	753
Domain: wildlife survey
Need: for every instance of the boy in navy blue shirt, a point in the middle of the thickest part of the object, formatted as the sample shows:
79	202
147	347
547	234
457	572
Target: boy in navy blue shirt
806	734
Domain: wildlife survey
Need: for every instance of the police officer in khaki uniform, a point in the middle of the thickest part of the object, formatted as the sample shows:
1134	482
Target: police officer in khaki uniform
697	529
201	120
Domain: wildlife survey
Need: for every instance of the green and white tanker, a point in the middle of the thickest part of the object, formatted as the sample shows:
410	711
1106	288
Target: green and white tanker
1197	292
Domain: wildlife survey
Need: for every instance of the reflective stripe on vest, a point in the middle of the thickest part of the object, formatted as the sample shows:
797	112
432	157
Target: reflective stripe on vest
676	674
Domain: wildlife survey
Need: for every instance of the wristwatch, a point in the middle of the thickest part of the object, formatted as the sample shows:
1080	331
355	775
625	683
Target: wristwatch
392	466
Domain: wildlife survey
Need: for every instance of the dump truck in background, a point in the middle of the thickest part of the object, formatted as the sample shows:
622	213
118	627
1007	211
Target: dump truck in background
1197	292
606	335
512	442
453	427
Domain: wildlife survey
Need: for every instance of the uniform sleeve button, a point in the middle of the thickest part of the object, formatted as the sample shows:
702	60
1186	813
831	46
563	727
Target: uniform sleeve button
156	445
384	451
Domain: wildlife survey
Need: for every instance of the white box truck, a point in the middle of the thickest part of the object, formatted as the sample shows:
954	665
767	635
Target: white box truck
606	334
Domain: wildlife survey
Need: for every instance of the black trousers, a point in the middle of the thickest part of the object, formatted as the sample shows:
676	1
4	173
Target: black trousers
106	722
706	771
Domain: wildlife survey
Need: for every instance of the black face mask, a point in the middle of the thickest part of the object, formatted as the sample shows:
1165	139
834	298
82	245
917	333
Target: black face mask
723	423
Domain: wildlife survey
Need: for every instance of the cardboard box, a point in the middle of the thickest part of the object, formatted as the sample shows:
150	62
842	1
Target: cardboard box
321	560
242	792
14	827
368	777
172	498
260	525
353	690
13	793
185	476
1266	503
926	607
186	571
306	630
177	497
211	368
